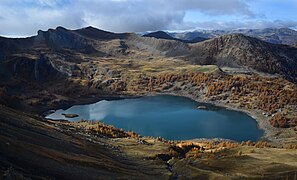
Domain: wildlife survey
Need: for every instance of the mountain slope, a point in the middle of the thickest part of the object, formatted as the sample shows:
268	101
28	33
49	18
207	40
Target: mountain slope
277	36
272	35
237	50
196	40
60	50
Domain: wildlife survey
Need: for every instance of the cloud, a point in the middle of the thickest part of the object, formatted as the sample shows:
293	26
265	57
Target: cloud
142	15
248	24
25	17
214	7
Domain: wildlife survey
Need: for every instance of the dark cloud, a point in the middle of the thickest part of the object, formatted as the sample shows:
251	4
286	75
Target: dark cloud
25	17
142	15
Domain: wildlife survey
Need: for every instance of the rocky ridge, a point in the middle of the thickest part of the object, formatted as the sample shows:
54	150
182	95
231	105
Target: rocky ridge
233	50
272	35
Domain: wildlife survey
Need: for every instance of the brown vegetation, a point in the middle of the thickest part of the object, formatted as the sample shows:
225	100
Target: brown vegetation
281	120
100	129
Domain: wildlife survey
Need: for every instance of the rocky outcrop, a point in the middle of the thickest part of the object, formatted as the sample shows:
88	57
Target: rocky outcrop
63	38
40	70
9	46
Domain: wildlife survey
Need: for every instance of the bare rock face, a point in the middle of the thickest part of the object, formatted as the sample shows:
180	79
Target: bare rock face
13	45
63	38
40	70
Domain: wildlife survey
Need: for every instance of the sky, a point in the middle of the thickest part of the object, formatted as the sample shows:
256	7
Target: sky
19	18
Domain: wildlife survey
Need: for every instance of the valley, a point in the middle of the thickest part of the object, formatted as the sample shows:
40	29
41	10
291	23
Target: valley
59	68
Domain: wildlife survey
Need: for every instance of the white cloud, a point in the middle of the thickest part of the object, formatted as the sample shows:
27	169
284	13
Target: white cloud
25	17
17	20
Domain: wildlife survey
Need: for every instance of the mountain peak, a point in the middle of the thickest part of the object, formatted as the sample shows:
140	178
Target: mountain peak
91	28
159	35
60	28
94	33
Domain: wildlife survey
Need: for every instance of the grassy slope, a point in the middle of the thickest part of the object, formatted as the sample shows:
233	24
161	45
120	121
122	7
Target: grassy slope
37	148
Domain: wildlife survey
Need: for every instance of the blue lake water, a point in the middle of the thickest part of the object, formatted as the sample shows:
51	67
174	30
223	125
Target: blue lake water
171	117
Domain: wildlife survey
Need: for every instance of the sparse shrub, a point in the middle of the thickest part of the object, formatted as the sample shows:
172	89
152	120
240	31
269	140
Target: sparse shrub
291	146
239	153
252	151
262	144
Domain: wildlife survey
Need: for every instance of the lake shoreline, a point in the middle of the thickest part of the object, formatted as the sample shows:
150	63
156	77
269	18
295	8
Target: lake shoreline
85	101
206	103
262	121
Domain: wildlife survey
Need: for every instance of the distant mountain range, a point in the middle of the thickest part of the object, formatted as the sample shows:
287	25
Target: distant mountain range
272	35
55	53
